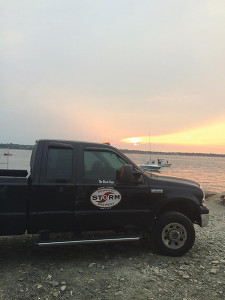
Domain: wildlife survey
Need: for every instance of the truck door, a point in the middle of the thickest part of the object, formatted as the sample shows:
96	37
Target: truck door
105	201
53	196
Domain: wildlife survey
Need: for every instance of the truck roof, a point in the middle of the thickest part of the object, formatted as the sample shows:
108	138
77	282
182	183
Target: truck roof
89	144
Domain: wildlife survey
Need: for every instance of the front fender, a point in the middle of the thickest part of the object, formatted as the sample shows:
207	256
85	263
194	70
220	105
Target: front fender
186	203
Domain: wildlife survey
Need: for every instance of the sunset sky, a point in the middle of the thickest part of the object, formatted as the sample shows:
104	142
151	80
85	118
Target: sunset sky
123	71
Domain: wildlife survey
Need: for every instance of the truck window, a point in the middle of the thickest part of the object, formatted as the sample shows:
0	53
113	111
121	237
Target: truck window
60	164
101	165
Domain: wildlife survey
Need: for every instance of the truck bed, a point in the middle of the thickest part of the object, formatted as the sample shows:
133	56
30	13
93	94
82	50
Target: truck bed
13	205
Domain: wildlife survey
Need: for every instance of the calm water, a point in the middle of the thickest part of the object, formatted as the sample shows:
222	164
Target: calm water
208	171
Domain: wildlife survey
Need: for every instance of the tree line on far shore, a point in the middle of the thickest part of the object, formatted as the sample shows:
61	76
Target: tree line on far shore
30	147
16	146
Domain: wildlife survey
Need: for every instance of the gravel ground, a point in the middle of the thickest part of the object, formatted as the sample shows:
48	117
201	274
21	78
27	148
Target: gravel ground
116	271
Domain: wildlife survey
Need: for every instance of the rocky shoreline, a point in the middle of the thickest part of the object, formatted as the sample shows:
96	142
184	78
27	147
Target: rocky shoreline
121	271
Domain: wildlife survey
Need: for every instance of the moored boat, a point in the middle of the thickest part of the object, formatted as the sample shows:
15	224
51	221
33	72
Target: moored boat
162	163
150	166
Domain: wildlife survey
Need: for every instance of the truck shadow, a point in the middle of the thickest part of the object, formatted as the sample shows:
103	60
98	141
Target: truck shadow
21	250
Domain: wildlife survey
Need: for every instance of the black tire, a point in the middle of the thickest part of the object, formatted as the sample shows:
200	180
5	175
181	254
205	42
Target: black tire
173	234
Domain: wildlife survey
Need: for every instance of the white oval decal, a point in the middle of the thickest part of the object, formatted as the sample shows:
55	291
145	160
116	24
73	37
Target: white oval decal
105	197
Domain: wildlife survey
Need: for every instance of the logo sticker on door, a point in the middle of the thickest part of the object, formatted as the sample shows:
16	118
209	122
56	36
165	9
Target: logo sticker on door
105	197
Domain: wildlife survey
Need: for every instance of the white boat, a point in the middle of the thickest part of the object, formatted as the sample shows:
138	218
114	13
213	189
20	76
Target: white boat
150	166
162	163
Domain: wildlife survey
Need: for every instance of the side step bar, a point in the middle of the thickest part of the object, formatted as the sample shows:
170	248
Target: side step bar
91	241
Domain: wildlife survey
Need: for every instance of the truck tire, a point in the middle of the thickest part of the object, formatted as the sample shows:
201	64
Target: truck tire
173	234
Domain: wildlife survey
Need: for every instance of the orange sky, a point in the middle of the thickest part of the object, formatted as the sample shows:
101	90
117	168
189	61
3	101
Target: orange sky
210	138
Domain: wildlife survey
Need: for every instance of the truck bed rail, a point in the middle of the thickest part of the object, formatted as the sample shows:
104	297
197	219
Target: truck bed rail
13	173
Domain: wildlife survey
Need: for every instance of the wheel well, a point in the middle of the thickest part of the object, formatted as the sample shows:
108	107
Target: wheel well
184	207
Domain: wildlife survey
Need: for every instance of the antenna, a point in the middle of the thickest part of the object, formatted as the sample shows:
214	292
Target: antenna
149	144
7	154
8	159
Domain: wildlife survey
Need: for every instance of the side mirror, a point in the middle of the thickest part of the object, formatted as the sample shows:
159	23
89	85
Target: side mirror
126	174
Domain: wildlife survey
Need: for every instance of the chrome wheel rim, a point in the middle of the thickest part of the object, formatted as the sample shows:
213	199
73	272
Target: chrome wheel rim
174	235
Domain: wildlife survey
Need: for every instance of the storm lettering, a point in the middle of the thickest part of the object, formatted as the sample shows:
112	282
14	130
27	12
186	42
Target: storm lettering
105	197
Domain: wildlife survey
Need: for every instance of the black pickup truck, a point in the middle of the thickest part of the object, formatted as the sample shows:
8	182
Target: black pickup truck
79	186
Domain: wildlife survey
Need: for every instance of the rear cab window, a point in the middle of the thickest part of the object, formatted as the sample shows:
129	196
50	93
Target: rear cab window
59	166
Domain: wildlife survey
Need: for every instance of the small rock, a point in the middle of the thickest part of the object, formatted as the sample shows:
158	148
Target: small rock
49	276
63	287
181	273
209	258
119	293
215	262
152	279
55	294
39	286
202	267
92	265
21	279
186	276
54	283
213	271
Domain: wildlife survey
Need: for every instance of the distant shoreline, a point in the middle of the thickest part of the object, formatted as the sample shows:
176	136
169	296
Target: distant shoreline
172	153
126	151
16	146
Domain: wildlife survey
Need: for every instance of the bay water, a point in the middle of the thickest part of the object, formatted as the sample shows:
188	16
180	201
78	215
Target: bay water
208	171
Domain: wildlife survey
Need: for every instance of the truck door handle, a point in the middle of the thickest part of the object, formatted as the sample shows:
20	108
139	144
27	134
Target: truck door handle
60	188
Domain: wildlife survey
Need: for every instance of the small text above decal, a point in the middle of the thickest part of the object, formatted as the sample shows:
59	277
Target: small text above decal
105	181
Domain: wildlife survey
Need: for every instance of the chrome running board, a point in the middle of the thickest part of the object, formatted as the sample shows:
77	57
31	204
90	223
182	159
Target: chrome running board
91	241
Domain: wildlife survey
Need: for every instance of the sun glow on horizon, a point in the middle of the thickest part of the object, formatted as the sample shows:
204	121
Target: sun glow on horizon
213	135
